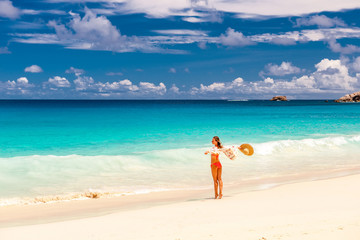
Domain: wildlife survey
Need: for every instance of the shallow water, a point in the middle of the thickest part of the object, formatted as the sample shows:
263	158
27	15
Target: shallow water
67	148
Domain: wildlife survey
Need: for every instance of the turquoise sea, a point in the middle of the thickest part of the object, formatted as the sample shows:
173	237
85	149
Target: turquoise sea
61	149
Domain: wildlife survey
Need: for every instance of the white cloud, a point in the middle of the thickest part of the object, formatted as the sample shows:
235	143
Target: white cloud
84	83
7	10
87	86
20	86
246	8
58	82
119	86
332	74
181	32
269	80
356	64
219	87
147	87
283	8
22	81
33	69
233	38
97	33
174	89
76	71
94	32
4	50
193	19
237	82
305	81
308	35
285	68
283	41
348	49
321	21
172	70
330	77
38	12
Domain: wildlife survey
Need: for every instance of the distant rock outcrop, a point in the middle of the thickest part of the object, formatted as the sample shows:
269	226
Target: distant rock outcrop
279	98
354	97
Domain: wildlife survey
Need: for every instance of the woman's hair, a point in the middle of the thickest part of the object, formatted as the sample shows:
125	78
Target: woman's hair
218	142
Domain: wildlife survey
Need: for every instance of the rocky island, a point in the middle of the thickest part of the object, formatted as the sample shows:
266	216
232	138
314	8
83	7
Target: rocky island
354	97
279	98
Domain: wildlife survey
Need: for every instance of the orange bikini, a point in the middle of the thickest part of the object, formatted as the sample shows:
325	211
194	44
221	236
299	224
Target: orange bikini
216	164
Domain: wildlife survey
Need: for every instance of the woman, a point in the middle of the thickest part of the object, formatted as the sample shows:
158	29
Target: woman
216	168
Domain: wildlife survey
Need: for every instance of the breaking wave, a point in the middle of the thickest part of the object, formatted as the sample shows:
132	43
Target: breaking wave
42	179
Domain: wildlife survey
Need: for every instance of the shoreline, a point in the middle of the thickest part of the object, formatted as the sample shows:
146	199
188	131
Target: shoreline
65	210
323	209
246	185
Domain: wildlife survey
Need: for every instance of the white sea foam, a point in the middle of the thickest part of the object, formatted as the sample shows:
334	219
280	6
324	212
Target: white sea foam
329	143
74	177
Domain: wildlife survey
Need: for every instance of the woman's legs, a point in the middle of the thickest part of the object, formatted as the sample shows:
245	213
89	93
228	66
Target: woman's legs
219	172
214	172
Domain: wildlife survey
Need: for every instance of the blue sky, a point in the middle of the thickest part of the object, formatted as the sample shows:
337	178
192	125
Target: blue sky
179	49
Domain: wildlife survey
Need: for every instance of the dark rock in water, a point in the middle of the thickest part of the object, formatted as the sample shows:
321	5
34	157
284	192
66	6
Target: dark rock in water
279	98
354	97
326	101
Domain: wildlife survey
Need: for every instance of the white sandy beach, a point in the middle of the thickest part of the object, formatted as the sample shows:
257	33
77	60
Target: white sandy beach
325	209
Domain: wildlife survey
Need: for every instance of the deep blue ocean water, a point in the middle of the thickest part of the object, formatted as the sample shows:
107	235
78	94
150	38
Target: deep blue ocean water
52	147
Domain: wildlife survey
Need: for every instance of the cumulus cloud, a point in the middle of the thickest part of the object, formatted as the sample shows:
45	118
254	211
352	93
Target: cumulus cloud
76	71
119	86
7	10
147	87
285	68
23	81
94	32
86	85
320	21
330	76
269	80
356	64
57	82
172	70
232	38
174	89
219	87
348	49
33	69
20	86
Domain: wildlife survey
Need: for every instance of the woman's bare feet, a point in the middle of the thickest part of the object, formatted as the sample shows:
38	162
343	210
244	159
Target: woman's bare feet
216	196
220	196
